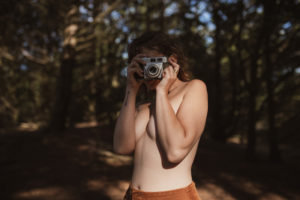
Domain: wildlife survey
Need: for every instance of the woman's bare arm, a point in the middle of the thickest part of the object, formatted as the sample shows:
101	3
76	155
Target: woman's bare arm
178	133
124	134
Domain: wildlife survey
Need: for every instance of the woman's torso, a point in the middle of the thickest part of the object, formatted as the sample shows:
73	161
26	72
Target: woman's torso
152	171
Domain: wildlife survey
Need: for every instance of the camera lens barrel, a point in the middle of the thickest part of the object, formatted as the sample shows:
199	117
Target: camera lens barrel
153	71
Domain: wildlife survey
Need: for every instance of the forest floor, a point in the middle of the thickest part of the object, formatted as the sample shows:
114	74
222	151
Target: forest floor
79	164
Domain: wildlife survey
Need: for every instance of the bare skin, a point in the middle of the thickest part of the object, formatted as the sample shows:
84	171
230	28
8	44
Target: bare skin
163	134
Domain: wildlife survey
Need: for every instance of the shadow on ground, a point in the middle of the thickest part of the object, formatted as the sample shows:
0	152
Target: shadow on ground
222	172
79	164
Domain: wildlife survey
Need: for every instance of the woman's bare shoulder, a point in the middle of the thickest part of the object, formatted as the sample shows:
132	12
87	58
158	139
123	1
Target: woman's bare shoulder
197	82
196	85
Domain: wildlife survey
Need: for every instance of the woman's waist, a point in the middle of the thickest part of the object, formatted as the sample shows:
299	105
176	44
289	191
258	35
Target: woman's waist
160	180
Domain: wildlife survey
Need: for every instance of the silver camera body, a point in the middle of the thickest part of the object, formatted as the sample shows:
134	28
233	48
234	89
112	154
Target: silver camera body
154	67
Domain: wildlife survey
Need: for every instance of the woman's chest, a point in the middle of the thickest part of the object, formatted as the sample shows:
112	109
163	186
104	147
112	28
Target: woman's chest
151	127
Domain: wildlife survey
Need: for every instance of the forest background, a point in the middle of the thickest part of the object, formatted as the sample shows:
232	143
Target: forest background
60	64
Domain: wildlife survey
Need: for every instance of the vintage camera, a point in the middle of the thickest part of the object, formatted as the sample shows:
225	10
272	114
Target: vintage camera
154	67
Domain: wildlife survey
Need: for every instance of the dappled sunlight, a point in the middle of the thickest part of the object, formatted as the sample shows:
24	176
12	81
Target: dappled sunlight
28	126
105	155
113	159
84	147
63	88
272	196
210	191
90	124
80	164
96	184
45	193
242	184
115	190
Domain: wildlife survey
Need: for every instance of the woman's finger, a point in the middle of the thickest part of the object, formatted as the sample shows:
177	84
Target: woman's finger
135	65
139	62
168	71
140	72
173	61
138	58
136	70
175	65
171	71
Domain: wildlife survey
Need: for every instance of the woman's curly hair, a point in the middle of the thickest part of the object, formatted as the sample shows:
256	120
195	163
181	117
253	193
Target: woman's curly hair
163	43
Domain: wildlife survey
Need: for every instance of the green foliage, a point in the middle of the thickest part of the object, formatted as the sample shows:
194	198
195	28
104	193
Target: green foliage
242	38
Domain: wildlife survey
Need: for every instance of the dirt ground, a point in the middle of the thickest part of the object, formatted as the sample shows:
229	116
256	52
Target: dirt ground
79	164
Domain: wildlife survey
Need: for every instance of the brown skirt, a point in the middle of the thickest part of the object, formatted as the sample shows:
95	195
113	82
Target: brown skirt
187	193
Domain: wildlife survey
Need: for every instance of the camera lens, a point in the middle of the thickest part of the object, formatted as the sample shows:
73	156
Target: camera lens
153	69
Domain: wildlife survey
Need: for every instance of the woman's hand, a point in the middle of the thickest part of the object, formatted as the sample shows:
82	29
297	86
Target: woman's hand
134	68
169	76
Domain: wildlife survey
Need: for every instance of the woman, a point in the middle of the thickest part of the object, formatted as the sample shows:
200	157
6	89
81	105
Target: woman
164	132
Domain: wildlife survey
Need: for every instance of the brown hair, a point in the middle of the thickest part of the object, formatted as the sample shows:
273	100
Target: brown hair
163	43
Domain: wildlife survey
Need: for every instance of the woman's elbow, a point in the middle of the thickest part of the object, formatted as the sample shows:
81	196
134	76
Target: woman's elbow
122	150
175	156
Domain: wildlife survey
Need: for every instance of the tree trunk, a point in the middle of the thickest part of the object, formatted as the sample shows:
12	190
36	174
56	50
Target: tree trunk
101	79
64	82
218	132
252	88
251	134
234	83
274	153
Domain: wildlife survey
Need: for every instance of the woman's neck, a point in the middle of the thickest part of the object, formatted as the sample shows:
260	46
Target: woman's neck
175	85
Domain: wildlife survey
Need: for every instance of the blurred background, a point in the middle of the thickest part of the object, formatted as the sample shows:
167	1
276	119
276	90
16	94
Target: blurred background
61	91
